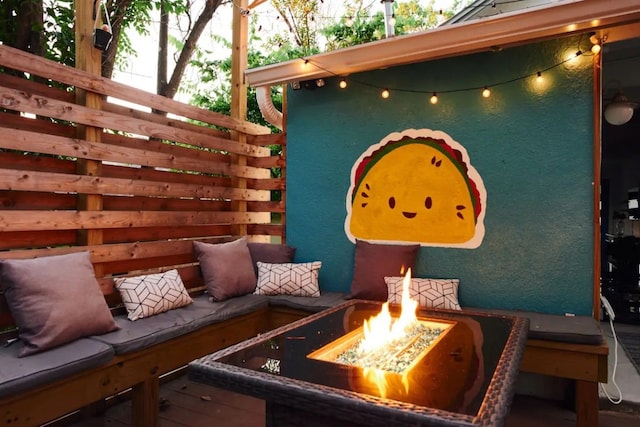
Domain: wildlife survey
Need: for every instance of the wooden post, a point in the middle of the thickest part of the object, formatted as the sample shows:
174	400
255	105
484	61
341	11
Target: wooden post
88	58
597	177
239	94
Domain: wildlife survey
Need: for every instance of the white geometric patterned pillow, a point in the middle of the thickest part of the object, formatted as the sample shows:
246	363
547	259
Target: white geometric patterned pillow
436	293
288	279
144	296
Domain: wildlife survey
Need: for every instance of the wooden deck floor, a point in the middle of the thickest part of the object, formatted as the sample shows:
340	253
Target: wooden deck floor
187	403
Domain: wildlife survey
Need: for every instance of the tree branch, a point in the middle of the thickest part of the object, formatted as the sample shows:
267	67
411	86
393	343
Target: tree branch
116	18
189	46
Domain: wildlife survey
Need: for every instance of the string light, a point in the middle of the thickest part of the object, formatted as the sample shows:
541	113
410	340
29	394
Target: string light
577	54
392	21
537	75
596	42
486	92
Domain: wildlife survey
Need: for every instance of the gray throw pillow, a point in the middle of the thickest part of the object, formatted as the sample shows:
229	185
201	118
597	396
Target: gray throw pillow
227	268
270	253
54	300
373	262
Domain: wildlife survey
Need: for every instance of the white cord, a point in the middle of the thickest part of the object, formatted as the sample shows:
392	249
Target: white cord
615	366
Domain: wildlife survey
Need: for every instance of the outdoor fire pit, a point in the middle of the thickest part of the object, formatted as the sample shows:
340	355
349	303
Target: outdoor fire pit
462	374
399	357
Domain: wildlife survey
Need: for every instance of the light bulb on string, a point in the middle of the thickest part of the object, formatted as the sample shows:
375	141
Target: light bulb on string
343	83
392	21
486	93
434	99
596	42
577	54
385	94
539	78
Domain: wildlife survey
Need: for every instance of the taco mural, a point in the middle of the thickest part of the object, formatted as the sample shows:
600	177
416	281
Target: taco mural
416	186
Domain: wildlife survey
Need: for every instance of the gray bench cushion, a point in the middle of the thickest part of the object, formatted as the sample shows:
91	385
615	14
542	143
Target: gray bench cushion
18	374
144	333
555	327
310	304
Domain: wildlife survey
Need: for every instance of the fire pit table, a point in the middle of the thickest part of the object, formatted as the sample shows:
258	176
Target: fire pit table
462	374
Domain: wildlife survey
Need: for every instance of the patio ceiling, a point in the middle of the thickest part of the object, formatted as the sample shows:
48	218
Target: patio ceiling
618	20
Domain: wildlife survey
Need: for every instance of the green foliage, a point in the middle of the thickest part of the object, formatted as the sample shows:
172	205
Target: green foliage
56	32
299	16
59	32
357	25
213	89
352	30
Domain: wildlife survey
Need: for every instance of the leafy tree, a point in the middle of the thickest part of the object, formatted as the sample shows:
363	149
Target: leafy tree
213	88
299	17
45	28
357	25
39	28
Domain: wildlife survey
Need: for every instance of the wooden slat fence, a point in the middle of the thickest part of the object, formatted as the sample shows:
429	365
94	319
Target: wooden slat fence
162	181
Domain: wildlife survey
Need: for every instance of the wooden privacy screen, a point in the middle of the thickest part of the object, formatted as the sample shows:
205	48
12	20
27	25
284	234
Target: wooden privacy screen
138	189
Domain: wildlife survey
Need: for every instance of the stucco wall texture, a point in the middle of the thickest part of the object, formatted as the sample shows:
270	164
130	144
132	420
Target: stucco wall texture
532	145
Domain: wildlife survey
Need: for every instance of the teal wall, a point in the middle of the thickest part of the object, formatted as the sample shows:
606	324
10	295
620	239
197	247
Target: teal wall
533	150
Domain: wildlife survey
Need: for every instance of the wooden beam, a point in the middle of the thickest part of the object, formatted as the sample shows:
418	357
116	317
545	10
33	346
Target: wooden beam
239	57
256	3
73	220
93	117
597	176
88	59
23	180
24	61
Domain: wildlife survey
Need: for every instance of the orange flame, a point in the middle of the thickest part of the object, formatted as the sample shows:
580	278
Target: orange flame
381	330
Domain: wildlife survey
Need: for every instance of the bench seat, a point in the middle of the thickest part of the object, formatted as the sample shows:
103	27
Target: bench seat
192	331
143	333
308	304
554	327
18	374
570	347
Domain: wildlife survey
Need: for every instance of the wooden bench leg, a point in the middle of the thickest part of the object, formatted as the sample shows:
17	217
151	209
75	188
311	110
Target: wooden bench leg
587	404
145	403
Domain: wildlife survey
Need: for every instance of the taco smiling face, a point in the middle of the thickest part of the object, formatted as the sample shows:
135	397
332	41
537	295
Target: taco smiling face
415	190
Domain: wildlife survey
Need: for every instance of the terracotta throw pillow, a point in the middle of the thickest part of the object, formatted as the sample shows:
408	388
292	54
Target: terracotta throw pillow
227	268
54	300
373	262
